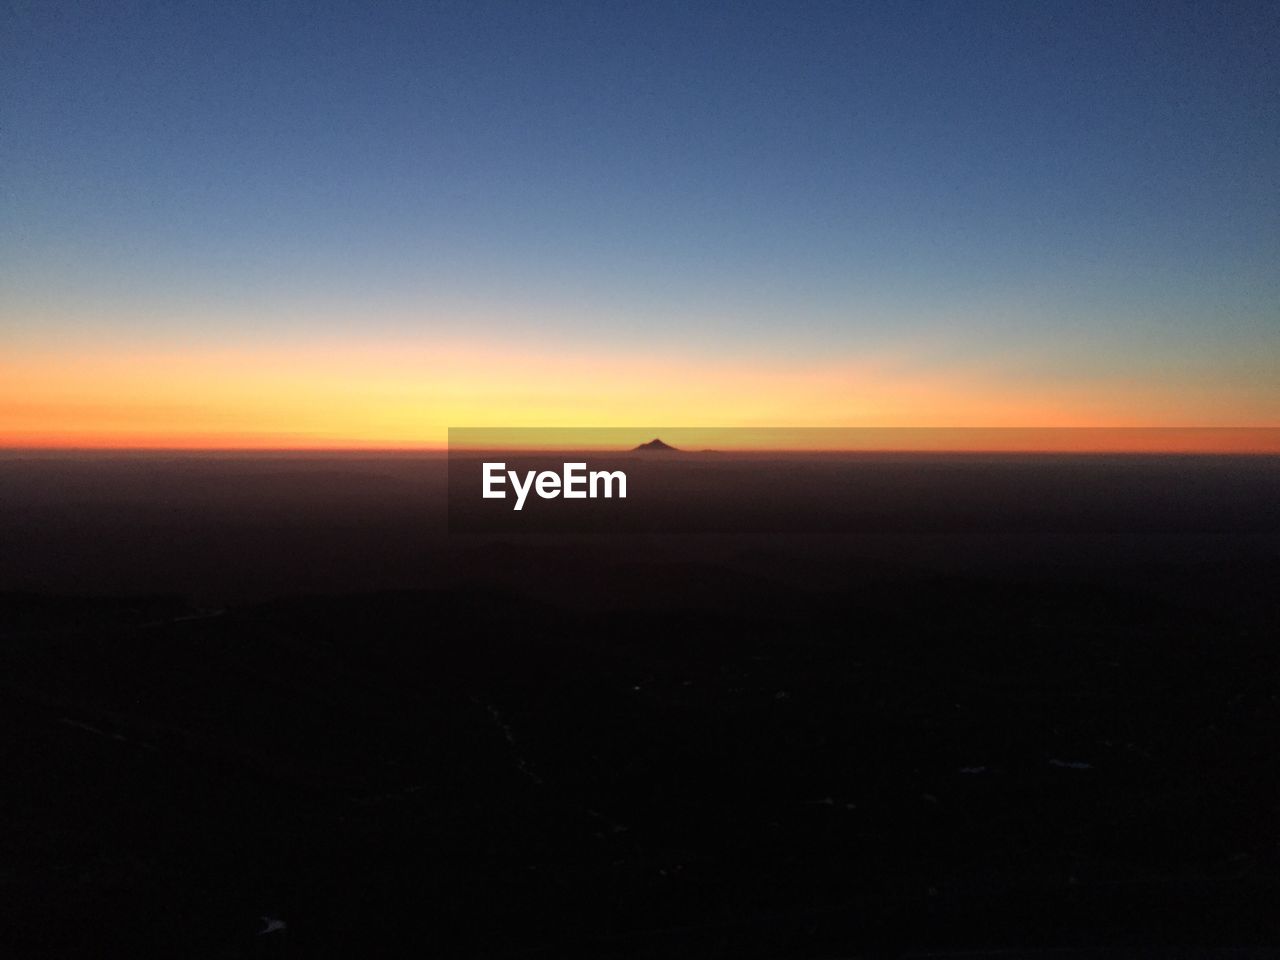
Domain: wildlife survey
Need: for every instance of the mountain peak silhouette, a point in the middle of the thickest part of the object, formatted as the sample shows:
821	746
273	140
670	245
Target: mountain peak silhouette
655	444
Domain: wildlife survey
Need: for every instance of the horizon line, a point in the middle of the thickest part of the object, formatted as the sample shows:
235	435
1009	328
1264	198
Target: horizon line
1237	440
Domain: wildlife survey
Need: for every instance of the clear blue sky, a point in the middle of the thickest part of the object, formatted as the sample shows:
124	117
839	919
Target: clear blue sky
1099	182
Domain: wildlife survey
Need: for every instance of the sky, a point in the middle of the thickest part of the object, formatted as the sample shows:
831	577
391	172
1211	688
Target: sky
274	224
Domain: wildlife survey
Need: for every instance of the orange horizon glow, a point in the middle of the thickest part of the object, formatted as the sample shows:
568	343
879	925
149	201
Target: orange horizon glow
404	395
1265	442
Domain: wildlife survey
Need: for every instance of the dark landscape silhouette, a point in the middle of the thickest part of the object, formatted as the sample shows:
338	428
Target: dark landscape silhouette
656	445
248	687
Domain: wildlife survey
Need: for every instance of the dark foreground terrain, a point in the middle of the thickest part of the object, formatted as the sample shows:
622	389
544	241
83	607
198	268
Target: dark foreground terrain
684	747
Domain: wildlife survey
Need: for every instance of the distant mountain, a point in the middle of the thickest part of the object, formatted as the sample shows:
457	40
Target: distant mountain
655	445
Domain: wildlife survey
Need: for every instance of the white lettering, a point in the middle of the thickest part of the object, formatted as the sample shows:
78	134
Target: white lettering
521	492
492	475
608	478
548	485
574	482
573	474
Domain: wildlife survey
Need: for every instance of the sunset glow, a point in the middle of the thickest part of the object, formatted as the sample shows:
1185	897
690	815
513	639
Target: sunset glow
644	221
406	394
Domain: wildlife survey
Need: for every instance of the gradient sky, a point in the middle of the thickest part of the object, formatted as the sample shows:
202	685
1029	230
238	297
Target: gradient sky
270	224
